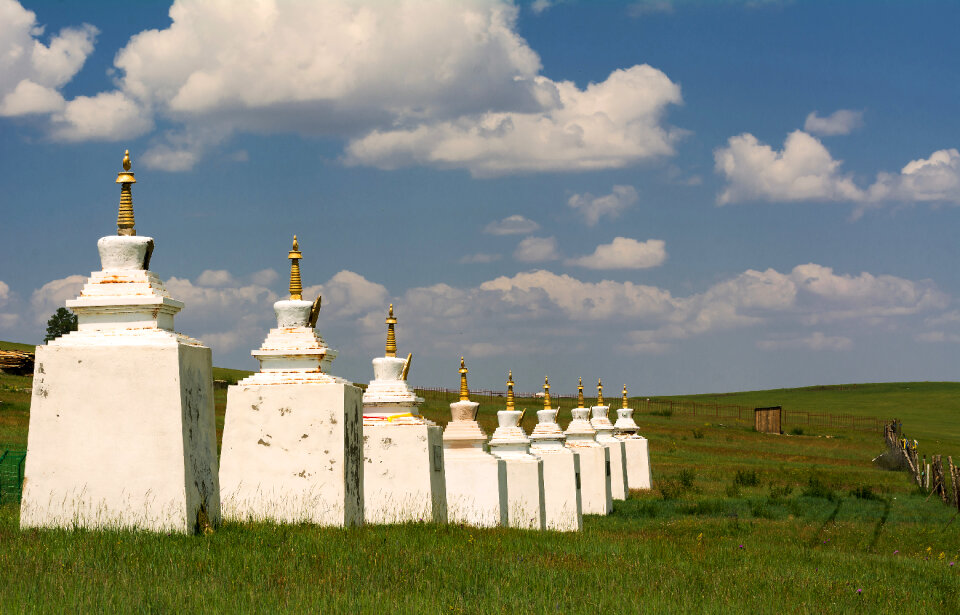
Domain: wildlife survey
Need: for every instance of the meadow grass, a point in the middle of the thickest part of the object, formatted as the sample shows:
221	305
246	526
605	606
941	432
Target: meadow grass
739	522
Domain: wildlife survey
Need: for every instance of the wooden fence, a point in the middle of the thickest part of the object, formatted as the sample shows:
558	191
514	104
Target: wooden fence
902	454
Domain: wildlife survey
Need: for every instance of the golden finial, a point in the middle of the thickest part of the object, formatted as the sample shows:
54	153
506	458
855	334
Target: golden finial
125	215
546	394
296	287
580	393
391	334
625	406
510	399
599	392
464	391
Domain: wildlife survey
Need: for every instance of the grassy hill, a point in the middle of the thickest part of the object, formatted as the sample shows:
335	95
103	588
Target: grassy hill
739	522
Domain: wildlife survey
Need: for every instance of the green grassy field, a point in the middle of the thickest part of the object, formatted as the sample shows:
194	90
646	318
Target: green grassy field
739	522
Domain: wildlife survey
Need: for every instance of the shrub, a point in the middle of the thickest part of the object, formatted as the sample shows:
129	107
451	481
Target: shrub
669	489
746	478
780	491
864	492
697	434
733	490
817	489
797	431
666	413
686	477
761	509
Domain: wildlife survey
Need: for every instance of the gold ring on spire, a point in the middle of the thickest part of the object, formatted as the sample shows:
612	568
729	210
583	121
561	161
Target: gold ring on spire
296	286
464	391
391	349
510	398
125	221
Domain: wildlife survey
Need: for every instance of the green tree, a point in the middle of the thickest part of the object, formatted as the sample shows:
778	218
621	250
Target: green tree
62	322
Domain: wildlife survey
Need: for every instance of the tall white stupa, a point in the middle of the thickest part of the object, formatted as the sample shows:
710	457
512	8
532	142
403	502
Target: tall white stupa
525	488
476	480
635	445
561	467
403	477
618	457
595	491
122	429
293	437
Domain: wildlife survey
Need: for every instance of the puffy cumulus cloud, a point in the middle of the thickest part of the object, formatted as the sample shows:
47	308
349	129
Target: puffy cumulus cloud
511	225
216	277
624	253
611	124
595	207
45	300
840	122
109	116
31	73
802	171
937	337
815	341
537	250
6	320
349	294
4	293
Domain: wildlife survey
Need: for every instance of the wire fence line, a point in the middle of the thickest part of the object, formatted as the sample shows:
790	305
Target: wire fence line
715	410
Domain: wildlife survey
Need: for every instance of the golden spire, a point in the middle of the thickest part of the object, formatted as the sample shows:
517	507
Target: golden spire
464	391
625	406
580	394
546	394
599	392
125	215
510	400
391	334
296	287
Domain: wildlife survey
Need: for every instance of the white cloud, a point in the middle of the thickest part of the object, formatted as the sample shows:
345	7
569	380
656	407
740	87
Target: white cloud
6	320
215	278
264	277
815	341
45	300
537	250
937	337
612	205
802	171
540	6
936	178
108	116
31	73
840	122
511	225
348	294
479	258
4	293
624	253
610	124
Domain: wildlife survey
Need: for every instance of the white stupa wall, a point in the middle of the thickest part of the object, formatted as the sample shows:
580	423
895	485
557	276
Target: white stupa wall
562	504
403	474
476	480
638	463
595	493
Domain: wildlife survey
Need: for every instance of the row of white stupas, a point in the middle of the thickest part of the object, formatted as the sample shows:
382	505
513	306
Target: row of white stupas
122	429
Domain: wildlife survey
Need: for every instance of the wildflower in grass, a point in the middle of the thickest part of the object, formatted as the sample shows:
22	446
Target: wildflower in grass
895	551
859	591
739	546
951	563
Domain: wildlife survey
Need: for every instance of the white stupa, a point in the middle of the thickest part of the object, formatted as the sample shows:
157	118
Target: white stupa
595	490
635	445
476	480
292	437
403	477
561	467
122	428
525	488
618	456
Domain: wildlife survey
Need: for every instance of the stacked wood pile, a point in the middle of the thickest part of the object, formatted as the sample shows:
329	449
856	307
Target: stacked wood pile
16	362
902	453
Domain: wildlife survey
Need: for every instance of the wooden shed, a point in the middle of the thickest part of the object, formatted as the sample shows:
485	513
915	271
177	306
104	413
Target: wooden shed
767	420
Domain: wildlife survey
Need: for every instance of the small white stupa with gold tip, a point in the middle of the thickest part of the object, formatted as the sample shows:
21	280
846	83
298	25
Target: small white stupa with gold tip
292	437
403	476
122	428
476	480
510	443
638	454
595	490
618	457
561	467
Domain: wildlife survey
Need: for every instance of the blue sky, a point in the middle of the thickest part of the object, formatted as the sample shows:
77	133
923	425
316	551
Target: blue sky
679	196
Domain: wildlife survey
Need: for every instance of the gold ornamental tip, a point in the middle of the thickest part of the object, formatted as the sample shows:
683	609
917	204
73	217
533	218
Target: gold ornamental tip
464	390
296	286
546	394
510	398
599	392
391	348
580	393
125	221
625	397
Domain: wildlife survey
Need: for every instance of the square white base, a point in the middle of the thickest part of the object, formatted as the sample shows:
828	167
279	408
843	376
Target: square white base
595	494
525	493
476	488
403	478
561	489
293	453
618	469
121	436
638	463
